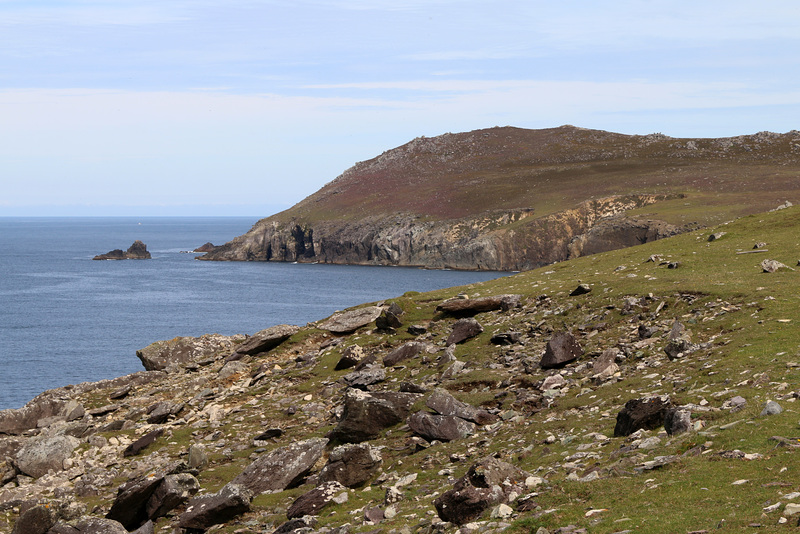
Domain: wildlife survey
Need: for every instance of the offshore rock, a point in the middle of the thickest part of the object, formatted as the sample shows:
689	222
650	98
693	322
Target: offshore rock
137	251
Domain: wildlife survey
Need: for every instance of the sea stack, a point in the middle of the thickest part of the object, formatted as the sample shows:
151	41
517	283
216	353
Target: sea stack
137	251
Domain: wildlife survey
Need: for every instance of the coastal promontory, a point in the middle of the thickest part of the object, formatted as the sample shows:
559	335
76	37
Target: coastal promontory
516	199
137	251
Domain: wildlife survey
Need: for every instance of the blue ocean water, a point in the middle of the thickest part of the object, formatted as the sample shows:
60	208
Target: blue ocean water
66	319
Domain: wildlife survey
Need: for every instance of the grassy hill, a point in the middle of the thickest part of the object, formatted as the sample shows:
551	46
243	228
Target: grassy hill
734	471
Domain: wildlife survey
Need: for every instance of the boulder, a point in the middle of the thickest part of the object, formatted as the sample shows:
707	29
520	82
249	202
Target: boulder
461	307
281	468
365	415
390	318
486	484
350	321
267	339
130	506
506	338
441	427
562	349
175	352
161	411
404	352
679	342
18	420
352	464
35	520
582	289
772	266
605	365
361	378
173	491
350	357
42	454
140	444
771	408
648	414
98	525
677	421
444	403
464	329
209	510
310	503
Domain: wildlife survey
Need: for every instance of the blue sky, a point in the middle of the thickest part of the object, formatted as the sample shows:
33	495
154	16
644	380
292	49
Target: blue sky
191	107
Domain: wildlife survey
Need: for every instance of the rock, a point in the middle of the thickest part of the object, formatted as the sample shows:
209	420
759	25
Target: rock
464	329
281	468
208	247
390	318
175	352
97	525
734	404
772	266
197	457
405	351
350	321
18	420
677	421
267	339
312	502
173	491
351	465
441	427
160	412
350	357
137	251
209	510
714	237
367	376
301	525
417	329
366	415
506	338
679	342
147	528
444	403
487	483
562	349
374	515
140	444
771	408
42	454
130	505
460	307
605	365
645	414
582	289
35	520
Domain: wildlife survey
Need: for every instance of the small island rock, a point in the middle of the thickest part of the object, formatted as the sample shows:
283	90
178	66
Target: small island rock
137	251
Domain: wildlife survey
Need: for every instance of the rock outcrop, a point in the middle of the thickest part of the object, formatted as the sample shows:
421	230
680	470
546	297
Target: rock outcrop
137	251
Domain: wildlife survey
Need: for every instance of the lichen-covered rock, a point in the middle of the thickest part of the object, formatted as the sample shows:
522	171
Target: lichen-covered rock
267	339
35	520
350	321
43	454
209	510
404	352
366	415
312	502
464	329
281	468
445	404
175	352
352	465
441	427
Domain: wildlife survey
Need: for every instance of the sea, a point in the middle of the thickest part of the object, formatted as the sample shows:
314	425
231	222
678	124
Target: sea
66	319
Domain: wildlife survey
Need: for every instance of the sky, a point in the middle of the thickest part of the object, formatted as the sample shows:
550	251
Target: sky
234	107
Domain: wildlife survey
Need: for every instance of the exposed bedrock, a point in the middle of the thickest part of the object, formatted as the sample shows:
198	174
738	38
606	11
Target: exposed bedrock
505	241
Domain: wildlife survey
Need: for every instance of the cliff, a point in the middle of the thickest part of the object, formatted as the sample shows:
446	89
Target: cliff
514	199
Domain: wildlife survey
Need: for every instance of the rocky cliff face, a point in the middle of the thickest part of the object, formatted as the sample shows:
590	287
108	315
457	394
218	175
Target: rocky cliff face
503	240
514	199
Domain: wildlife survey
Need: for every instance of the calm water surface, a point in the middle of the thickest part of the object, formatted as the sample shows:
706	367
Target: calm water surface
66	319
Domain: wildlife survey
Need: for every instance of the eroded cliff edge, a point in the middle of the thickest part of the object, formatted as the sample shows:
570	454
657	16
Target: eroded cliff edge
515	199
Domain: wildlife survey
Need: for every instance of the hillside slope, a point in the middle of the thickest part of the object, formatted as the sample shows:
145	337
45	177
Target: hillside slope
514	199
445	412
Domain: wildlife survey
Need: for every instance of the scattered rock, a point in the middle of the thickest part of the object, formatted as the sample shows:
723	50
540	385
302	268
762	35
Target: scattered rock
350	321
140	444
445	404
771	408
647	414
714	237
361	378
281	468
464	329
351	465
267	339
404	352
679	342
677	421
506	338
772	266
562	349
312	502
209	510
441	427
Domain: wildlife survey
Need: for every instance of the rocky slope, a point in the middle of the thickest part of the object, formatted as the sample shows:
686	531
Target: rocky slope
513	199
644	390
